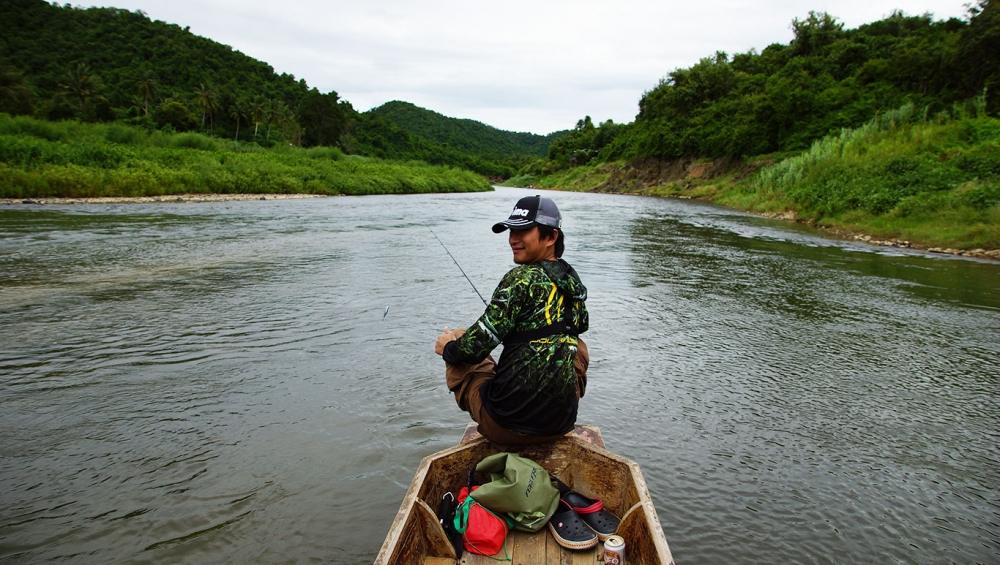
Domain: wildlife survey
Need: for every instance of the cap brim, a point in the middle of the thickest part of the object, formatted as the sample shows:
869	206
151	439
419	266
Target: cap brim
512	224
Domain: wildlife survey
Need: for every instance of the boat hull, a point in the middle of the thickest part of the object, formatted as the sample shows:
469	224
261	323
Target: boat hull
578	459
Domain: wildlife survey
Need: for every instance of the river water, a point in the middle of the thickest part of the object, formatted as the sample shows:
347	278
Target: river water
221	382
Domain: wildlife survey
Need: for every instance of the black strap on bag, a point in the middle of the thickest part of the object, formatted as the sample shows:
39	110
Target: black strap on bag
446	515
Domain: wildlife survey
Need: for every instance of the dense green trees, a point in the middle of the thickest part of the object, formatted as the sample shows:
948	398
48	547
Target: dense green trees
104	64
787	96
15	93
402	130
583	142
323	118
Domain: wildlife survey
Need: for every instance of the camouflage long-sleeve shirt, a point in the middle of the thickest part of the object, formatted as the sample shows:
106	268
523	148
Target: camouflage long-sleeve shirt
534	391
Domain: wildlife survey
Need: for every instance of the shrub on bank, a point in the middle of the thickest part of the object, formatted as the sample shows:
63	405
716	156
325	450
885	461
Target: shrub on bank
904	174
70	159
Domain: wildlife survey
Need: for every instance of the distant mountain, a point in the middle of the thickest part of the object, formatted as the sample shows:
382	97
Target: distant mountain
108	64
462	134
104	64
403	130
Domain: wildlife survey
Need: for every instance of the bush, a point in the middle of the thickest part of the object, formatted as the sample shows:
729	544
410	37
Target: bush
117	160
24	125
124	135
196	141
331	153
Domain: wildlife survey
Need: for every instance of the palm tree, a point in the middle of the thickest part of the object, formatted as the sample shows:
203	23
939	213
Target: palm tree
208	102
258	110
284	119
237	110
82	84
277	110
147	91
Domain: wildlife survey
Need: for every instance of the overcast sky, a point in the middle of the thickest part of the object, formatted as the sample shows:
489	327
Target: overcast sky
535	66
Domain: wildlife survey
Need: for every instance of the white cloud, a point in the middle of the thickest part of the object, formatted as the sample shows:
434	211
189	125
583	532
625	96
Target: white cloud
518	65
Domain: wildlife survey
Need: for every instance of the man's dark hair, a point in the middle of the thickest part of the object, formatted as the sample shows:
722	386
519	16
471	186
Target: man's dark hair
546	232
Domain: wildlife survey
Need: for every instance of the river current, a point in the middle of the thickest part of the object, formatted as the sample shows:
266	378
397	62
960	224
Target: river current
222	382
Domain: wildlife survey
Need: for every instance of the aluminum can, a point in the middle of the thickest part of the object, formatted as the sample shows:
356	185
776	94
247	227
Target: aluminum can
614	551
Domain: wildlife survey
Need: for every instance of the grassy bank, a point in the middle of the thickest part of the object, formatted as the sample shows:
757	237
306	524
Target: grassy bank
935	183
71	159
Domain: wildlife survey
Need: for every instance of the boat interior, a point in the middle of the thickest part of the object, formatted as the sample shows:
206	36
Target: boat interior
578	459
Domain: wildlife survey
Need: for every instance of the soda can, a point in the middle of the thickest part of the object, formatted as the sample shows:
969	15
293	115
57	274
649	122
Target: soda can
614	551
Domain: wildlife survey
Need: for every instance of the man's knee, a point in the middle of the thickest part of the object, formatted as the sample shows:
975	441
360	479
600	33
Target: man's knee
466	380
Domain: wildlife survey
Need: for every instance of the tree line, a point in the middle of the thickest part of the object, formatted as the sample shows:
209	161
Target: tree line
108	64
787	96
402	130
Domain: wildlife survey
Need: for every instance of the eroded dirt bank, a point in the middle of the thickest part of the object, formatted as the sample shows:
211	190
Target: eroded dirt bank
693	179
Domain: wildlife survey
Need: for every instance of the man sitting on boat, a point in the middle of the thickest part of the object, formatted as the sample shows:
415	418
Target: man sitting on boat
537	313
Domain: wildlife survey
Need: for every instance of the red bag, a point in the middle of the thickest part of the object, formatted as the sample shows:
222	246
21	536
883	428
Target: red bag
483	532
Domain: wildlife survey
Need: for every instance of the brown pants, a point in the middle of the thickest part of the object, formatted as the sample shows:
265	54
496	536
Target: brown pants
466	381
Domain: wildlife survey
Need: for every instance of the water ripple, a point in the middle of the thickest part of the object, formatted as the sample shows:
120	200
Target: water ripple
180	382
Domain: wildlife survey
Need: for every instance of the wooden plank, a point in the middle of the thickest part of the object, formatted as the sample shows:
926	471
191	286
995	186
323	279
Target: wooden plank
439	561
528	548
436	542
473	559
589	434
471	434
556	554
587	557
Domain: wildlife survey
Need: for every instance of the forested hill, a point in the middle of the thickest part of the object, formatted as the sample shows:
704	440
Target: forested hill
400	130
107	64
787	96
103	64
467	135
889	131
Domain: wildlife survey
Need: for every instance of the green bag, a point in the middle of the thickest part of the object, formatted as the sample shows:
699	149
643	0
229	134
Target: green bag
518	487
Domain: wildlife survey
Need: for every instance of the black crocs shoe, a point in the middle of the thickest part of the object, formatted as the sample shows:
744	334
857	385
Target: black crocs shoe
569	530
591	511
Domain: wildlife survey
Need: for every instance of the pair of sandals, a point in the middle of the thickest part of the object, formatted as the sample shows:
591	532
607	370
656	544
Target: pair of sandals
580	522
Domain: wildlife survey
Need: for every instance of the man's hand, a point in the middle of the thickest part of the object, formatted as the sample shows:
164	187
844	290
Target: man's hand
447	336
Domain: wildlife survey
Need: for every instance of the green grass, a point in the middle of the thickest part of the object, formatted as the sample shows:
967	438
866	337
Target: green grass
933	181
70	159
899	176
586	177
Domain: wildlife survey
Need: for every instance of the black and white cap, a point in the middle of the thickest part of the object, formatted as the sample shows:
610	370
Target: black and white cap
530	211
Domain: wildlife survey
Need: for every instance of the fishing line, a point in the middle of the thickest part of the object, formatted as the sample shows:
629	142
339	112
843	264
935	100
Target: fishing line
456	263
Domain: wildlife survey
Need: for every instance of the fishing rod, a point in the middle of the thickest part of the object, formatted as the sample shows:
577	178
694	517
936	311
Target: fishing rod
456	264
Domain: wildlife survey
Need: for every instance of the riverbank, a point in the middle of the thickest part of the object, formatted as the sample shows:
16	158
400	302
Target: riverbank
894	181
154	199
43	159
694	186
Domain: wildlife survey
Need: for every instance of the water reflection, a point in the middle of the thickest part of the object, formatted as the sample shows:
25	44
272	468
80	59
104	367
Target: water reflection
182	381
817	386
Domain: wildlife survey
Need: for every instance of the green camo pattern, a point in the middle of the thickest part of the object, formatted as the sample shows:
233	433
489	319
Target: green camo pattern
528	298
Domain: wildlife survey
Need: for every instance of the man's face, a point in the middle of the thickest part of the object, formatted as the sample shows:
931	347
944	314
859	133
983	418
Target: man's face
529	247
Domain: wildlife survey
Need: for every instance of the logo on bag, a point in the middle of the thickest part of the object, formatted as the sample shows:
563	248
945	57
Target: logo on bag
531	482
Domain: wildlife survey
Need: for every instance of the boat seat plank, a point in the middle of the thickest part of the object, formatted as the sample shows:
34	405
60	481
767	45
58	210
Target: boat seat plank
439	561
533	549
589	434
556	554
527	548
